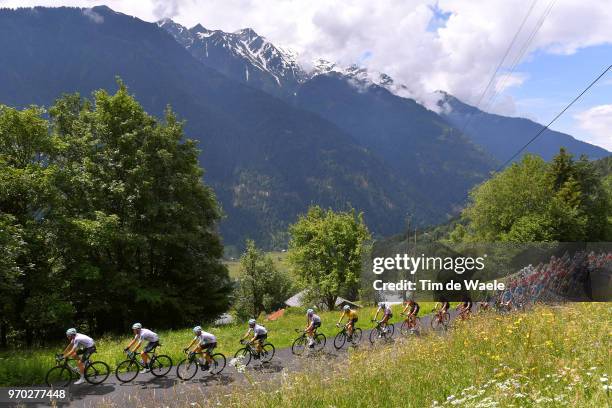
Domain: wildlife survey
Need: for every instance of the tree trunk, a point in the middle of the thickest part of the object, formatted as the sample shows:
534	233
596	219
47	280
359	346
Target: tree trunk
3	335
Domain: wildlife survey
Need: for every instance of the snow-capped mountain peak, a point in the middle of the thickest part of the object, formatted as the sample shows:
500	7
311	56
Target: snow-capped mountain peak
251	58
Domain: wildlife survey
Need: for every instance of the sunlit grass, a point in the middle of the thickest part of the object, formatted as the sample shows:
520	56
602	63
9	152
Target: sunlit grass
545	357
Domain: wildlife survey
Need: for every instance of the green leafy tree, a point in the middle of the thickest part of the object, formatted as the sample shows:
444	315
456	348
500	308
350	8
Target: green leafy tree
326	250
29	204
104	219
534	201
140	225
261	287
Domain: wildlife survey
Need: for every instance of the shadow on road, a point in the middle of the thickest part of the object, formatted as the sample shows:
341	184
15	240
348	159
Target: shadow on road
271	367
221	379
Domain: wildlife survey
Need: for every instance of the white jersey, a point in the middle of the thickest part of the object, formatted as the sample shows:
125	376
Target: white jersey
259	330
386	310
82	341
315	318
206	338
148	335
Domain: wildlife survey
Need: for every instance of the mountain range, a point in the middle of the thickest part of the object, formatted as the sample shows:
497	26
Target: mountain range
275	137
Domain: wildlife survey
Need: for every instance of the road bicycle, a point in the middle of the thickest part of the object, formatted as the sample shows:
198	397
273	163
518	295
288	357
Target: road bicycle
249	351
440	320
381	333
187	368
127	370
301	343
410	325
343	337
96	372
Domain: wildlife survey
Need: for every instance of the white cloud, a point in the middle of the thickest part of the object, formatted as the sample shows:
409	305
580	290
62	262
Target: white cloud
597	121
459	56
93	16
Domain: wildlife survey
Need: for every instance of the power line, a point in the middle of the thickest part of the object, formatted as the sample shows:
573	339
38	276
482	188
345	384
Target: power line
521	53
555	118
484	92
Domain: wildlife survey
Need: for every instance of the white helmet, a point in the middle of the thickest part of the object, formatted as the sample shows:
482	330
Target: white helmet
310	312
381	304
197	329
71	332
346	308
252	322
136	326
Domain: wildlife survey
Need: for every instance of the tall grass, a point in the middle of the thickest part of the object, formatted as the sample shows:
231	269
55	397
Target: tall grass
546	357
29	367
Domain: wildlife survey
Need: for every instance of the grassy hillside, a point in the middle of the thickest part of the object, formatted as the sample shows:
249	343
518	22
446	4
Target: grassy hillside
279	258
25	367
546	357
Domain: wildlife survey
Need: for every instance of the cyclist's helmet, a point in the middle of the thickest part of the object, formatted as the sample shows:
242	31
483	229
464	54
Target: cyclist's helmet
252	322
71	332
136	326
346	308
197	329
310	312
381	304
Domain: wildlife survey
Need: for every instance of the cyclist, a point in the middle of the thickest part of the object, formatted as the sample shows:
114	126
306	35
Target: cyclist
465	308
82	345
260	334
141	334
412	313
352	318
387	315
444	306
206	343
313	323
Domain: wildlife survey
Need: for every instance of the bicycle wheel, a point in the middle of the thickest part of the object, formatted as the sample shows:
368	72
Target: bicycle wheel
375	334
435	323
218	363
357	334
339	340
319	342
160	365
186	369
416	329
97	372
127	371
244	355
299	345
267	352
58	376
390	330
405	328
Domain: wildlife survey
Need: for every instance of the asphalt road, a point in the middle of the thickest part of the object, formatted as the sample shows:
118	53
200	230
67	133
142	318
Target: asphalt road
147	390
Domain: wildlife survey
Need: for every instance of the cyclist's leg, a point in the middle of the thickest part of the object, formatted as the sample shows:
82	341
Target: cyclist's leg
259	342
200	353
208	351
148	348
80	363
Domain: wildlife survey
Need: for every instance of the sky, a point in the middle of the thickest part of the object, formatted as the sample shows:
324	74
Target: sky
543	52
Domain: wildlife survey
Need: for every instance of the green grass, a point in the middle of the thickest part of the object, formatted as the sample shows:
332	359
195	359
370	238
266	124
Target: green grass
546	357
279	258
27	367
